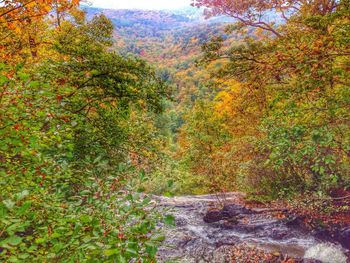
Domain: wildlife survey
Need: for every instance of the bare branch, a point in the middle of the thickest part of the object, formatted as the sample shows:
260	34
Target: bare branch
16	8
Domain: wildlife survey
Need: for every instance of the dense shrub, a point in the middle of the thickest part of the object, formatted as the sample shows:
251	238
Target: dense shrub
69	125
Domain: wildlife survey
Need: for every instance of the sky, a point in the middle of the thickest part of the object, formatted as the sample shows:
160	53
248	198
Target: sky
141	4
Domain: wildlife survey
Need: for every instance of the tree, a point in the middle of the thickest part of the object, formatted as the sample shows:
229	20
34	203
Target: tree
296	81
257	13
26	11
22	24
70	121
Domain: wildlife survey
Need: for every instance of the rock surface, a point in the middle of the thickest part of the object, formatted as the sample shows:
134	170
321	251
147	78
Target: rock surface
345	237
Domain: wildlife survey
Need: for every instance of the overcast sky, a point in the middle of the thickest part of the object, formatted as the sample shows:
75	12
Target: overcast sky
141	4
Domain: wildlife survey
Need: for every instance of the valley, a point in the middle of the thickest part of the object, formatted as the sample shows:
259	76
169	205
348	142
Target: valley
218	132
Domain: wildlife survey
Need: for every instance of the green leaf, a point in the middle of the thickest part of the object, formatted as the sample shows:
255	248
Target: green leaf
85	219
3	211
169	220
13	240
121	259
19	226
22	195
34	84
132	251
3	80
111	252
168	194
170	183
23	256
158	238
23	76
87	239
9	204
13	259
23	209
39	240
151	249
142	175
56	235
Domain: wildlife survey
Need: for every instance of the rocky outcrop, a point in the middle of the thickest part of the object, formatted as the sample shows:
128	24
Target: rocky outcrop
213	216
228	212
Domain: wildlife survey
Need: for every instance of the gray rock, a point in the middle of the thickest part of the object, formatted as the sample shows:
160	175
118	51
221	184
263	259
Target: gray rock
213	216
234	210
345	237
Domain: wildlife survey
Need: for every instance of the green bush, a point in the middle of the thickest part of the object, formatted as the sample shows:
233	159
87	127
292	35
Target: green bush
68	126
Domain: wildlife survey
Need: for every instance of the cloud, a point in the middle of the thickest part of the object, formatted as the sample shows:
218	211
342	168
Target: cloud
141	4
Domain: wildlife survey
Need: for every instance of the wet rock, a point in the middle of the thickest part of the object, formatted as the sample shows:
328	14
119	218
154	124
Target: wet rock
180	222
322	233
185	241
230	223
229	212
234	210
345	237
249	229
308	260
213	216
278	235
295	221
227	241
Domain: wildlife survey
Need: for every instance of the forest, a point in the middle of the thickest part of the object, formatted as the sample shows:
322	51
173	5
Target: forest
105	112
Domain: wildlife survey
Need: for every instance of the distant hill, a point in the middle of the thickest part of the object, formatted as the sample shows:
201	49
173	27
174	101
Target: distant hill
154	32
144	23
159	34
162	18
171	40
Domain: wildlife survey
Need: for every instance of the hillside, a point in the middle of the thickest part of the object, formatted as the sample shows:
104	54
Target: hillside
170	40
154	34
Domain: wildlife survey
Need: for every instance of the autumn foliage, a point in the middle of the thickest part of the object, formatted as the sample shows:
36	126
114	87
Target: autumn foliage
86	124
286	108
72	113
